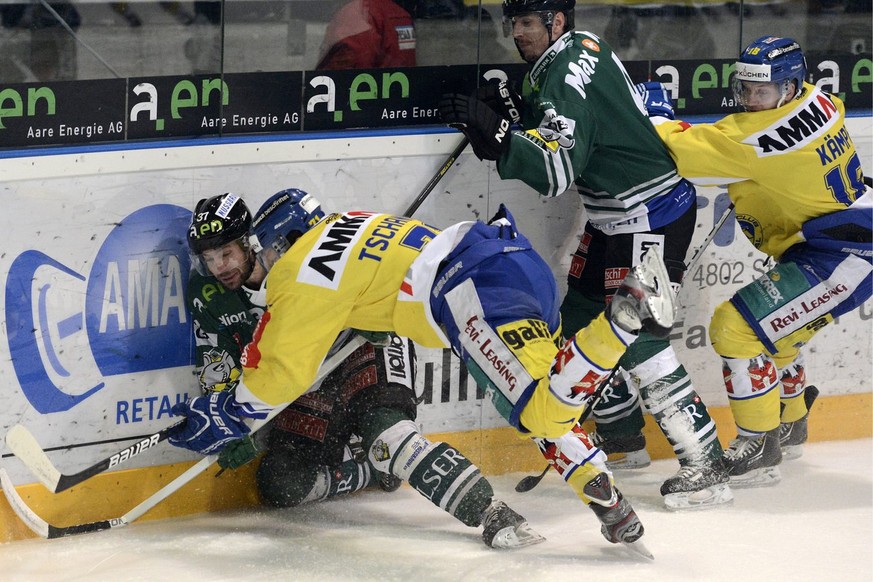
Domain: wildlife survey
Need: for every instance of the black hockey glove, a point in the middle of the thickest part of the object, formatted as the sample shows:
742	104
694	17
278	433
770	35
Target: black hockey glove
488	132
502	98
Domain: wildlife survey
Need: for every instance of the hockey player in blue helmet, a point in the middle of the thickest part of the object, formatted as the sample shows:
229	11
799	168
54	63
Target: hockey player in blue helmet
585	131
800	196
768	74
313	450
478	288
281	220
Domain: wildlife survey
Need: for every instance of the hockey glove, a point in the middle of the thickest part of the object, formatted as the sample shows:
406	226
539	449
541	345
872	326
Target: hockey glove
212	422
488	132
238	453
656	98
501	97
379	339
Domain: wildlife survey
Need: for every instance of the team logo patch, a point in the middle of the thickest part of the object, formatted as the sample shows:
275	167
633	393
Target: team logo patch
219	371
591	45
380	451
751	229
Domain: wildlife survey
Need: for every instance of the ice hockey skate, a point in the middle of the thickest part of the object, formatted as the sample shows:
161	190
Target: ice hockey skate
389	483
645	300
625	452
792	435
754	461
619	521
697	487
505	529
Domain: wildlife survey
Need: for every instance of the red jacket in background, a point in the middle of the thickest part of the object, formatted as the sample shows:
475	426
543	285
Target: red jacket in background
367	34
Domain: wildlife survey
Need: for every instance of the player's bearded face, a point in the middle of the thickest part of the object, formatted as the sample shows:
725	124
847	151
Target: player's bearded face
230	264
531	36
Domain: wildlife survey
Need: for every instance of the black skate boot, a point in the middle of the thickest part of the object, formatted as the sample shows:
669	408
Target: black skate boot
505	529
619	521
792	435
645	299
754	461
698	486
625	452
389	483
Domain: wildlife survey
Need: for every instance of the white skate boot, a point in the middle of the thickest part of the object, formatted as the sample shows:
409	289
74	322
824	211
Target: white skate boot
645	299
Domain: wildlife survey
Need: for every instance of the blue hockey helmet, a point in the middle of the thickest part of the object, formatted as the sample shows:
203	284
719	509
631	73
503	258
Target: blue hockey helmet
770	59
546	9
282	219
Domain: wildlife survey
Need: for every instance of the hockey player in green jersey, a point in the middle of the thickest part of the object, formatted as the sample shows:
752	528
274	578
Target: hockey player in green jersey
799	194
585	127
311	446
478	288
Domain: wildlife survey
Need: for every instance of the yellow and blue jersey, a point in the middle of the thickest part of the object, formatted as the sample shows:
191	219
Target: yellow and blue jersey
782	167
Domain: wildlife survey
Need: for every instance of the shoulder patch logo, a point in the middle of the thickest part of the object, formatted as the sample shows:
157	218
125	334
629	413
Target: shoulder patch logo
591	45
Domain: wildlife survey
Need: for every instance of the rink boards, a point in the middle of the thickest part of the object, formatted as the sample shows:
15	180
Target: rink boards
97	343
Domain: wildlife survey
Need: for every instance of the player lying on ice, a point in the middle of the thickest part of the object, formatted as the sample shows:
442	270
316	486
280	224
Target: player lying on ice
478	288
315	447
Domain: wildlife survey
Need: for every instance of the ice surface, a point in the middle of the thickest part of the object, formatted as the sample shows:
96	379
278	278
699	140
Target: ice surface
814	526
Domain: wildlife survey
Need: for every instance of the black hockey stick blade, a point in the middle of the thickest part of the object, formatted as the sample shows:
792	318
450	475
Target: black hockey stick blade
531	481
38	525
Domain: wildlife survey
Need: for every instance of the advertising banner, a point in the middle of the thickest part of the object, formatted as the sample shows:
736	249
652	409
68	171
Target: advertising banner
105	111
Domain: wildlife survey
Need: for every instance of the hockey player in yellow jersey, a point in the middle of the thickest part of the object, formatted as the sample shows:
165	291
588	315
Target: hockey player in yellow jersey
314	449
799	195
478	288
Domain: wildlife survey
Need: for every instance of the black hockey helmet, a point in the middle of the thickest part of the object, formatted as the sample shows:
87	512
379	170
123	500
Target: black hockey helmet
218	221
513	8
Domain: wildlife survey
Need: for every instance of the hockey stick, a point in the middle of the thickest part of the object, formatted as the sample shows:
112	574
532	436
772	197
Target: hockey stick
453	157
529	482
48	531
698	254
24	445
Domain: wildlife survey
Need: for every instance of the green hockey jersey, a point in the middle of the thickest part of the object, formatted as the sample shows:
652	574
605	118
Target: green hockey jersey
224	321
585	124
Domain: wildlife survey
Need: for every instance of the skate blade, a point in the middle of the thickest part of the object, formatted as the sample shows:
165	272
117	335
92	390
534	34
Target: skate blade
511	537
763	477
639	549
791	452
713	496
630	461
